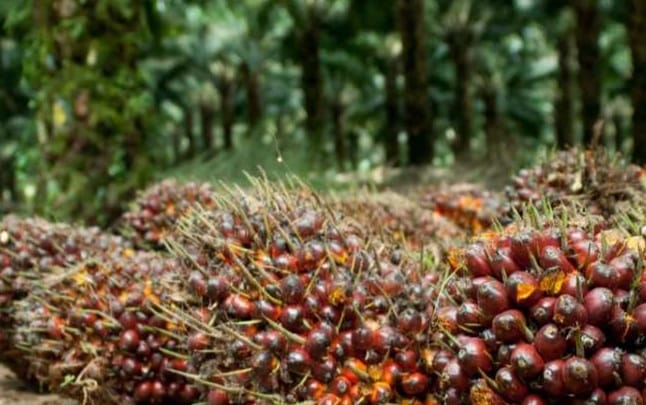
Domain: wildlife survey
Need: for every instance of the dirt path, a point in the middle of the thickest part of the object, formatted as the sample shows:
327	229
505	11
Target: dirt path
14	392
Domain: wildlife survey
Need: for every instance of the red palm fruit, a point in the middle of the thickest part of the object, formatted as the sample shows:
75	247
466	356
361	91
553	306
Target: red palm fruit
476	261
503	356
543	311
580	376
510	326
492	298
633	370
318	341
592	339
482	394
520	249
574	285
598	303
542	240
583	252
217	396
292	318
622	326
490	341
391	372
625	269
552	257
407	359
639	314
414	383
239	307
143	392
596	397
454	377
625	395
329	399
469	316
533	399
272	340
510	385
569	312
411	322
523	289
340	386
269	310
324	369
608	362
198	283
262	362
292	289
622	298
502	263
441	360
158	392
297	361
550	343
474	357
380	393
600	274
553	378
526	361
129	340
447	318
198	341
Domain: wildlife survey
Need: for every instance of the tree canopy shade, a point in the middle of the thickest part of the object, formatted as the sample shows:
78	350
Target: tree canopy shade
99	96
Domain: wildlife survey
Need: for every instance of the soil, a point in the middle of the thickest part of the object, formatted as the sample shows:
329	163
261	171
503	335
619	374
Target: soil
14	392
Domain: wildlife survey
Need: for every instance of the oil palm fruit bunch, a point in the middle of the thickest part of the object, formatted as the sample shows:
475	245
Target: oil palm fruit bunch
547	314
394	218
91	332
154	213
599	182
467	205
300	305
31	248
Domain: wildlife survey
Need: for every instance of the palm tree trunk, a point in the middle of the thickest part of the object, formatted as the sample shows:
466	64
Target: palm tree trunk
226	99
493	123
417	119
339	133
391	141
188	130
638	49
312	80
463	107
252	89
588	27
207	116
564	103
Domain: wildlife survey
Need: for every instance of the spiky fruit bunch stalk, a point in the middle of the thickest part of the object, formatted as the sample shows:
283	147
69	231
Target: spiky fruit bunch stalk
598	182
91	332
302	306
154	213
546	315
467	205
394	218
32	248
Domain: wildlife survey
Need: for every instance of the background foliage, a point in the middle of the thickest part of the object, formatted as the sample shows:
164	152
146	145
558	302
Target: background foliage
98	97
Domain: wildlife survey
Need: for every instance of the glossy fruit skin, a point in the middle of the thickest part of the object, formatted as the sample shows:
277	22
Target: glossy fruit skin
580	376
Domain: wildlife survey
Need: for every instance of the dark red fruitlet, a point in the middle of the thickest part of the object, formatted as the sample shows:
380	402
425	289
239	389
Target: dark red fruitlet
579	376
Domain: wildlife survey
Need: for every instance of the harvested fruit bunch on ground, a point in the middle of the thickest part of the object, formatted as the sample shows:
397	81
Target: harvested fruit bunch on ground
157	209
300	305
394	218
91	332
551	315
467	205
31	248
600	184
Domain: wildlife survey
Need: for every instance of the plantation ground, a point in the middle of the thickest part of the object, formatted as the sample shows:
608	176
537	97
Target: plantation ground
13	392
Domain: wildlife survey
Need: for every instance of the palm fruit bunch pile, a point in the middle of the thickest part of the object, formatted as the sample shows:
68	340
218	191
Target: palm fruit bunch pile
467	205
30	249
549	314
92	332
301	305
394	218
154	213
592	178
